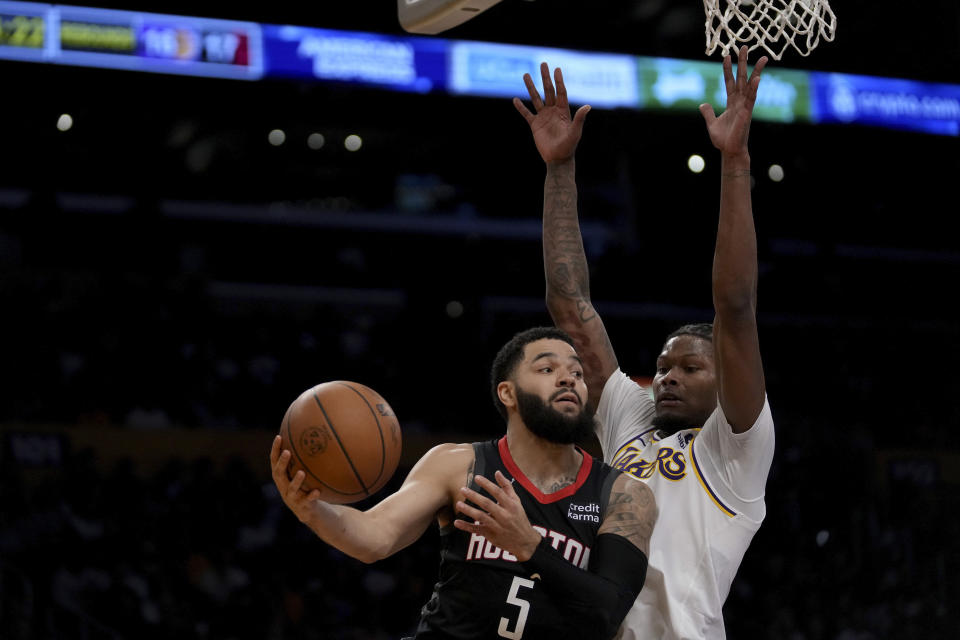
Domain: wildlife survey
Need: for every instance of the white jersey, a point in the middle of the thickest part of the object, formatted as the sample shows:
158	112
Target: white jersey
709	485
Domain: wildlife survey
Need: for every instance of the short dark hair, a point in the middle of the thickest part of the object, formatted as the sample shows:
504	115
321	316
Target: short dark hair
703	330
511	354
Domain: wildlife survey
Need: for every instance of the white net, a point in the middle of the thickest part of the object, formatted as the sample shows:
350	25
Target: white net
774	25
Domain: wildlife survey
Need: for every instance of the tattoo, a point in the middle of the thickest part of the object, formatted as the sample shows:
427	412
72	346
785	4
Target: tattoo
565	262
586	311
592	363
470	473
561	282
560	484
736	174
631	514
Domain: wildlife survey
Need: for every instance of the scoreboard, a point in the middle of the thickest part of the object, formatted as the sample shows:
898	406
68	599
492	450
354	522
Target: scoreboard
136	41
23	30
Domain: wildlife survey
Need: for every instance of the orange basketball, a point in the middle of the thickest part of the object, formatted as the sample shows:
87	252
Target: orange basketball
346	439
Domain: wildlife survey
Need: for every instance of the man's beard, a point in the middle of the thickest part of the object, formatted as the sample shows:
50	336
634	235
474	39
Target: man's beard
546	422
671	424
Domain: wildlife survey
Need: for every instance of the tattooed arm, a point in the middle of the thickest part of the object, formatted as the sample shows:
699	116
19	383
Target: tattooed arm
631	512
556	136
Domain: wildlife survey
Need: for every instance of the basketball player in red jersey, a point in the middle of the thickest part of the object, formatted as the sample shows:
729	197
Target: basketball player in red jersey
703	440
539	540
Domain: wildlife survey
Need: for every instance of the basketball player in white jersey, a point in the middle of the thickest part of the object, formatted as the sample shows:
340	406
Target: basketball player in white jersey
702	438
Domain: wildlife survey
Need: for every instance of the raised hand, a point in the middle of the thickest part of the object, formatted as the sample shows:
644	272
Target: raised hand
554	132
501	520
729	132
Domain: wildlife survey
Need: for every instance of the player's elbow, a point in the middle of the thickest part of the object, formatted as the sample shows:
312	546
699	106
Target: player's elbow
371	555
368	558
369	549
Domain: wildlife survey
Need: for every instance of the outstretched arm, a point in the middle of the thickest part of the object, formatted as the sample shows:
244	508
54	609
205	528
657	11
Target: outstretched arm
740	380
390	525
556	136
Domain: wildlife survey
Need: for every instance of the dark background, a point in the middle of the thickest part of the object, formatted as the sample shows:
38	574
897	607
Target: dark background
170	282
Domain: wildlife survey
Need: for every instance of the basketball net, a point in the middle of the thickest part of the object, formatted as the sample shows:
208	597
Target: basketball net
774	25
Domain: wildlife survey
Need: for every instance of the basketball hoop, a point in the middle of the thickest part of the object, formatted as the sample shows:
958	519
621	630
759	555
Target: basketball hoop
436	16
774	25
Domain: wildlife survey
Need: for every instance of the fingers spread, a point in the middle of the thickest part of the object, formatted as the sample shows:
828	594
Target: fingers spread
296	483
481	501
532	90
485	482
760	65
754	82
728	74
706	111
561	89
463	525
470	512
279	469
522	108
742	67
549	95
275	451
505	485
581	115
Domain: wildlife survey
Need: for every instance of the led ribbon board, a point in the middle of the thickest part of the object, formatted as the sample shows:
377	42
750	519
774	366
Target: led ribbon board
184	45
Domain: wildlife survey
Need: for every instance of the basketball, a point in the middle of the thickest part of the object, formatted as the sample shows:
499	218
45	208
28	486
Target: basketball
346	439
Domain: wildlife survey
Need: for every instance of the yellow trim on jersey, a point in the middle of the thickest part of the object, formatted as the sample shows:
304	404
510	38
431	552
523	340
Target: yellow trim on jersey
706	487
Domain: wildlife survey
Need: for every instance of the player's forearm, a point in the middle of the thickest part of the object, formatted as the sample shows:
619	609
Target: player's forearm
735	257
568	278
596	601
350	530
564	260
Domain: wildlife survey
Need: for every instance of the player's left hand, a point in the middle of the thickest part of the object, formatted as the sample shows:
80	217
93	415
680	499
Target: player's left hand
501	520
729	132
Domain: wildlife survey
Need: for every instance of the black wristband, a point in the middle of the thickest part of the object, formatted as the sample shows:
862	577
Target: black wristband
597	599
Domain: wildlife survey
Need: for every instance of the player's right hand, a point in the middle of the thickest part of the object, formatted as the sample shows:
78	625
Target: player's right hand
554	132
298	501
729	131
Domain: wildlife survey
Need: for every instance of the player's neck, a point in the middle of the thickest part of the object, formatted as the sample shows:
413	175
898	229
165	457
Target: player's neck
548	465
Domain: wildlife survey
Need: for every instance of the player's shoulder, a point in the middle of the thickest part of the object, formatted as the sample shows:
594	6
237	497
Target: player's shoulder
451	451
717	422
447	458
636	490
621	382
625	397
631	501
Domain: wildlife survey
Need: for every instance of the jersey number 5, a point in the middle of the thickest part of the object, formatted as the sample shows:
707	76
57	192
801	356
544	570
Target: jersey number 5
512	598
